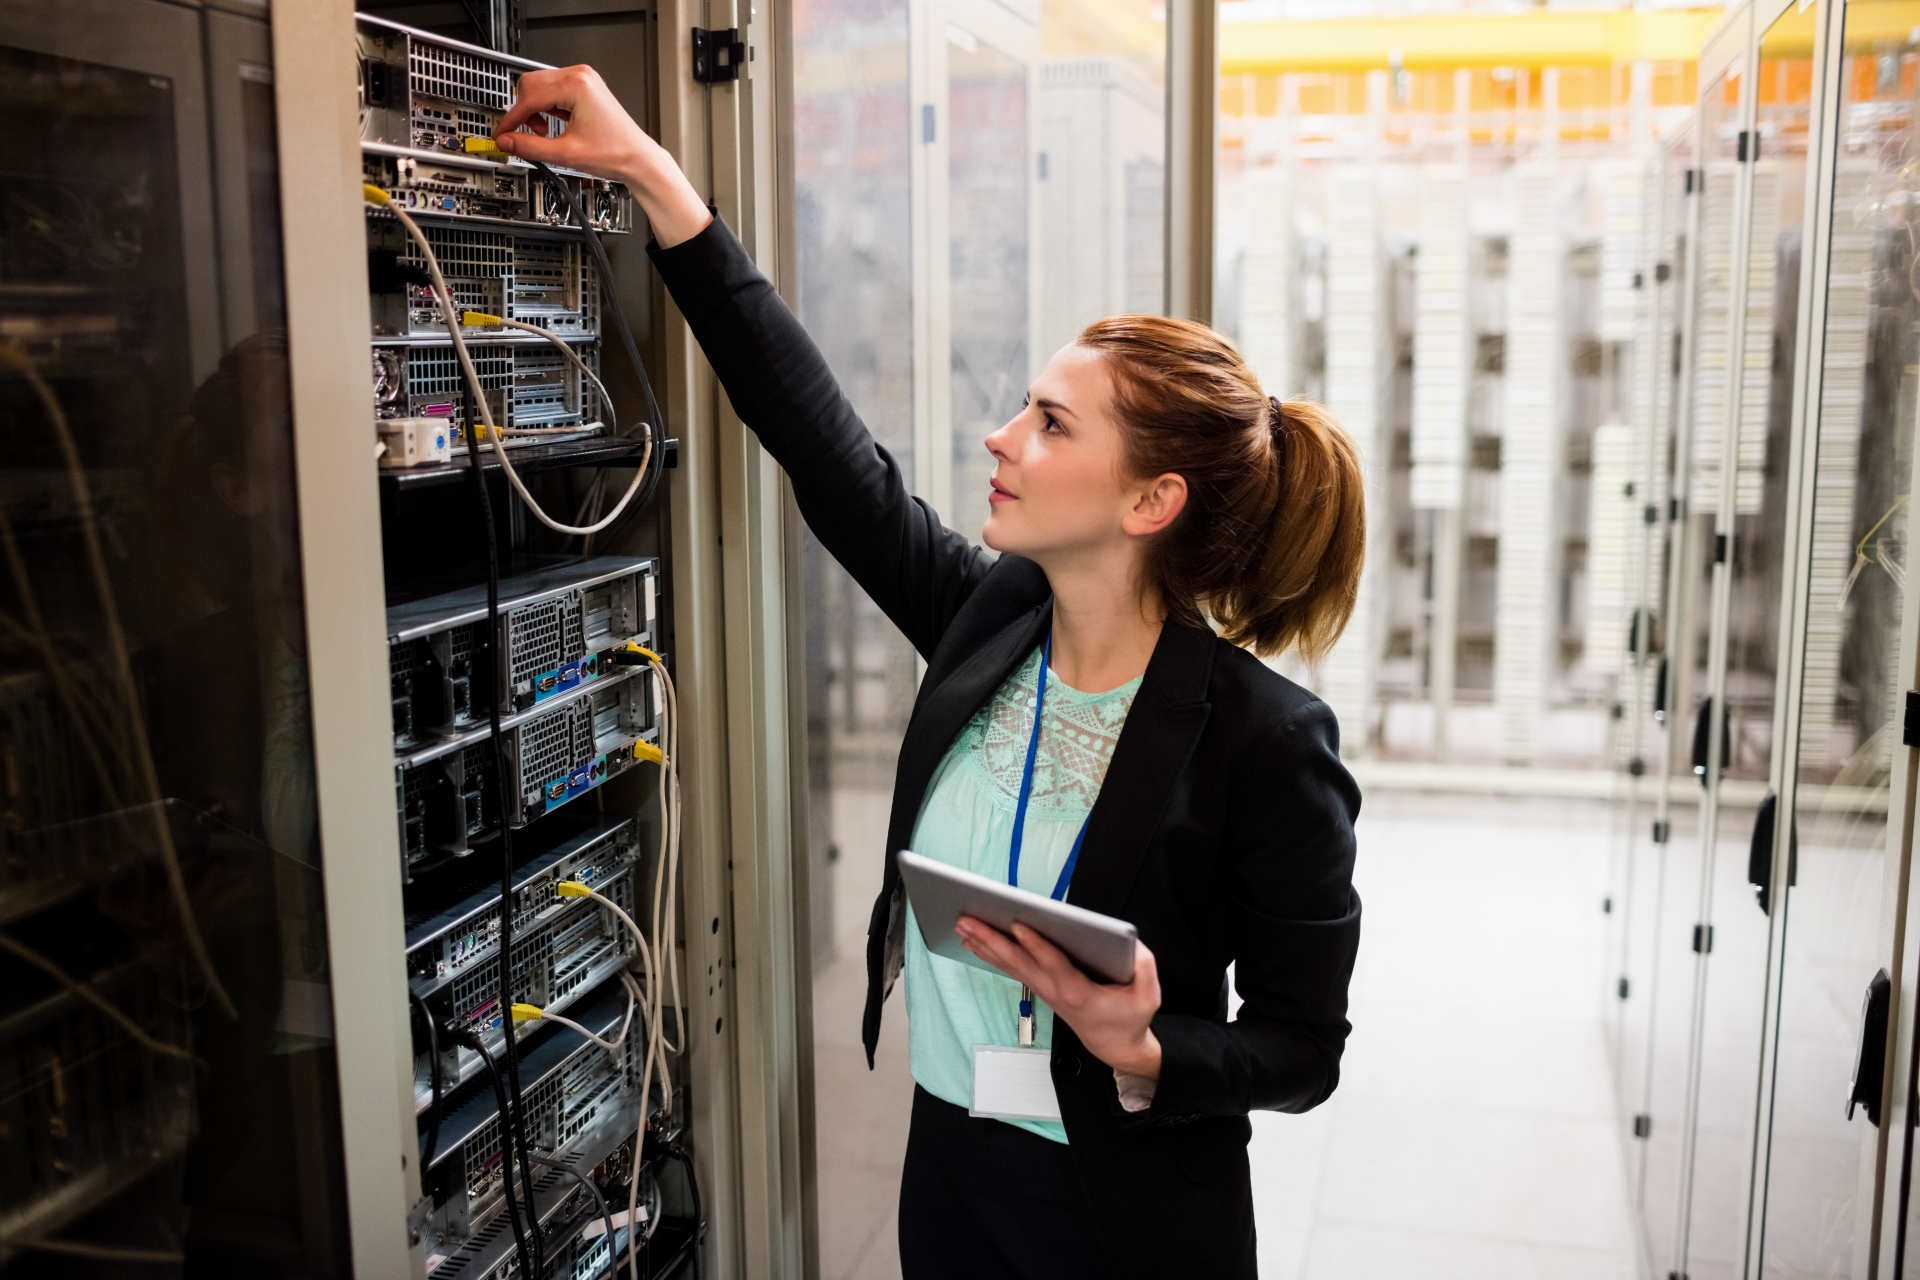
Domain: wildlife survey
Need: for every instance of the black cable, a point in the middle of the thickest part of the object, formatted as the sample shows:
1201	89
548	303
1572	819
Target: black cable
483	32
433	1077
610	305
606	1214
472	1041
680	1153
512	1119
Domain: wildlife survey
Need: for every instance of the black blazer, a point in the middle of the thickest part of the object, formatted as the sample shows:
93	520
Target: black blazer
1224	830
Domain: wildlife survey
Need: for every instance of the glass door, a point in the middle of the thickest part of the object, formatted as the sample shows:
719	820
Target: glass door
1734	730
1734	735
1661	1122
992	288
1829	894
974	183
1645	816
170	1096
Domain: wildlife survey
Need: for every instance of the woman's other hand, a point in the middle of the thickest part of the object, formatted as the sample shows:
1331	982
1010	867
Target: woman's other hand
1114	1021
602	139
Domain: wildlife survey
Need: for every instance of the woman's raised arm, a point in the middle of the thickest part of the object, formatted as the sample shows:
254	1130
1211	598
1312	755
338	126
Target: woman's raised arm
849	488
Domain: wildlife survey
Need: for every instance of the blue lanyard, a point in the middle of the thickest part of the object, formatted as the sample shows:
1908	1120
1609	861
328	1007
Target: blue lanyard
1026	791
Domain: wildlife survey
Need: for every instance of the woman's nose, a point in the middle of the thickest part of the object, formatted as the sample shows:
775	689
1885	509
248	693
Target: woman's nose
996	442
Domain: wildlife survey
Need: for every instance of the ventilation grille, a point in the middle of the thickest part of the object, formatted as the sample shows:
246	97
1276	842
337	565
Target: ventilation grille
552	744
539	638
459	76
466	252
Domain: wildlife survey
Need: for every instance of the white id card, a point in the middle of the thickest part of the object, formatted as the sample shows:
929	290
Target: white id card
1013	1083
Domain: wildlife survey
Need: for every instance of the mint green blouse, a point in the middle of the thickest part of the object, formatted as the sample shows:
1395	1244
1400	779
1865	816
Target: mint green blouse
967	821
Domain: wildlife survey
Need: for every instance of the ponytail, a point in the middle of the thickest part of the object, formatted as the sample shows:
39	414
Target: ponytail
1271	541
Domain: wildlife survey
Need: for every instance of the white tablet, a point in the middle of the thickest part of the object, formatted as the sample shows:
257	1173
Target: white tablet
940	894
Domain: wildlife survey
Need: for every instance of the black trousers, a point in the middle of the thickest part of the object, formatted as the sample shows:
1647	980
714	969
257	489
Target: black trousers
982	1200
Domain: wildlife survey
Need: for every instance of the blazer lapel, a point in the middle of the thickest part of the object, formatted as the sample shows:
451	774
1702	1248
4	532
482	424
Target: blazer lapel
945	709
1168	714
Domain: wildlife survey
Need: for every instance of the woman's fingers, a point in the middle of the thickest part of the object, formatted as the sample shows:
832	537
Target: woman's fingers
540	91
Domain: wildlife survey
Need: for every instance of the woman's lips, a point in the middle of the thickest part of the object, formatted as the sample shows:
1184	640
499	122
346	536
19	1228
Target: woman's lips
996	492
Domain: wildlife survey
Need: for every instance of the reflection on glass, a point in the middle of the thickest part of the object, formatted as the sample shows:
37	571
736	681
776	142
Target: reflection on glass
1042	147
1862	458
987	191
166	1048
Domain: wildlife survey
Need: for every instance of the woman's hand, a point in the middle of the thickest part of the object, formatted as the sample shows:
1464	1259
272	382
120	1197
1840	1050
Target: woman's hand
602	139
1115	1022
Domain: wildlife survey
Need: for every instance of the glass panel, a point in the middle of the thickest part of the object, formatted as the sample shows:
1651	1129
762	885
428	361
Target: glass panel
1041	150
1638	996
167	1049
1752	503
987	192
1862	460
853	139
1674	876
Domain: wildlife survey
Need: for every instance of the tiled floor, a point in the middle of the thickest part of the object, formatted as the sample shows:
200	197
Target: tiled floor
1473	1132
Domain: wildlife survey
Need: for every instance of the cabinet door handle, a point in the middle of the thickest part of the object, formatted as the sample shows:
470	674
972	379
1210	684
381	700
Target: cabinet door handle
1702	726
1869	1069
1760	852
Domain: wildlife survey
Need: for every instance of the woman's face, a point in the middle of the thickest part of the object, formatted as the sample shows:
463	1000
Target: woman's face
1060	490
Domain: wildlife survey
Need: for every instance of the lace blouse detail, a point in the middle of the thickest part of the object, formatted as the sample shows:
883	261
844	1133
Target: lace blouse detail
1077	739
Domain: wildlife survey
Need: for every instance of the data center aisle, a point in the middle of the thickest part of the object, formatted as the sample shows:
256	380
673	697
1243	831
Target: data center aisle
1474	1133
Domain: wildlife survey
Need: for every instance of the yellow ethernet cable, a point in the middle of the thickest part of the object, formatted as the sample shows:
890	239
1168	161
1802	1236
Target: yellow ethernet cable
485	148
534	1013
648	752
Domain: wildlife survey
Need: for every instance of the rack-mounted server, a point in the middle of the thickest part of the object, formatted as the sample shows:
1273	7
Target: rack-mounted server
554	753
425	101
557	629
563	947
579	1099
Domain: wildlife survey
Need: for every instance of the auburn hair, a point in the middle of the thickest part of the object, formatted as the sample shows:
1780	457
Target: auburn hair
1273	535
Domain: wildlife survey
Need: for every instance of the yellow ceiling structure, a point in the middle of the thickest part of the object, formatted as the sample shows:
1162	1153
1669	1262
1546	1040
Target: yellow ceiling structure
1535	38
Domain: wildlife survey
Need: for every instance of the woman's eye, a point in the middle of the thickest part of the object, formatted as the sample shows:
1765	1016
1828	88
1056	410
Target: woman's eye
1052	423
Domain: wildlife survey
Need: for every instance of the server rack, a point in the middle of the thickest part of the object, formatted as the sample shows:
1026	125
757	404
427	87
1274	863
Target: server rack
516	702
1766	1028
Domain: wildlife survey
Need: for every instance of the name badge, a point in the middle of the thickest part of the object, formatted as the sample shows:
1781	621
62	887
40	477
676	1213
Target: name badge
1013	1083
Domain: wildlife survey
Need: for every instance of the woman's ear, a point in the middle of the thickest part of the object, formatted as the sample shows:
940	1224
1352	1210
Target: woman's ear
1156	506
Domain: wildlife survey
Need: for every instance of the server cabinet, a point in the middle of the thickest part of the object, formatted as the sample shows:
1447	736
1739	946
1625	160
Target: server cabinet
1780	918
1821	872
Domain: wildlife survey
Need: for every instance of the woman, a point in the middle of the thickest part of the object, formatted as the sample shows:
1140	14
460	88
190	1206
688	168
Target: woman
1146	487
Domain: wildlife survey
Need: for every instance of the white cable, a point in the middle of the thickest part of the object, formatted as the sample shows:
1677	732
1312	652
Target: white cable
566	349
613	1045
665	931
443	297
